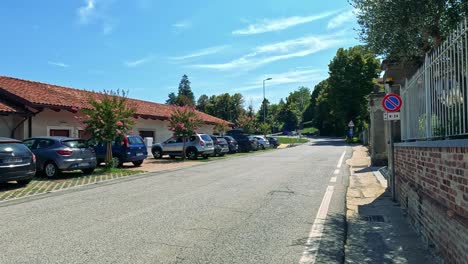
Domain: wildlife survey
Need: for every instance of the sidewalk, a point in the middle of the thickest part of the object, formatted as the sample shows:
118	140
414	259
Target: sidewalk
378	231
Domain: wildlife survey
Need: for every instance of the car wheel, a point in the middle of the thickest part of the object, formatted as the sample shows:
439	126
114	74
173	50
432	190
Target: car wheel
157	153
263	147
88	171
51	170
206	156
172	156
137	163
116	162
222	154
192	154
23	182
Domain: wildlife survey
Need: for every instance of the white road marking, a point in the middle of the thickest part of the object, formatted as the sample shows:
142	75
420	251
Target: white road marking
341	159
337	171
333	179
313	242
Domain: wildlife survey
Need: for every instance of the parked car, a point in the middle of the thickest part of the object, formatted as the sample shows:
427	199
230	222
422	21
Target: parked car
243	142
17	162
196	145
274	143
57	154
254	143
263	142
221	146
129	148
232	144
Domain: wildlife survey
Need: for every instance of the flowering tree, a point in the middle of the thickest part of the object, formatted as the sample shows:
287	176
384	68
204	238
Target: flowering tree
247	123
184	122
221	128
109	117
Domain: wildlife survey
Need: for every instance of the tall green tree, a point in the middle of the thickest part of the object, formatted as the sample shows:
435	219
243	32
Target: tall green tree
110	117
309	112
185	95
402	30
202	103
352	72
172	99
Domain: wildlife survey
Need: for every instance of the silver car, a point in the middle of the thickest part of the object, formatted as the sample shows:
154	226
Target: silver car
57	154
262	142
196	145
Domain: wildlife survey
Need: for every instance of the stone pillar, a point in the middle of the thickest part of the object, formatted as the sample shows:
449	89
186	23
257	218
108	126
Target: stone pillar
377	133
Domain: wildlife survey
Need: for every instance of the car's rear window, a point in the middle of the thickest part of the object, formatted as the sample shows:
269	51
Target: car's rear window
135	140
13	147
206	137
77	143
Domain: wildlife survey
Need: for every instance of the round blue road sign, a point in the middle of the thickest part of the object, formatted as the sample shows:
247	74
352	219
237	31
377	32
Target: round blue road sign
392	102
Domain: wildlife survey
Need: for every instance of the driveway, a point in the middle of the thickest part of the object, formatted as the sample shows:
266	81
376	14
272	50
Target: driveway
252	209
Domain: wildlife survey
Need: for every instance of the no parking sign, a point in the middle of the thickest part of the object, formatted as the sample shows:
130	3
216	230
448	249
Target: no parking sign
392	102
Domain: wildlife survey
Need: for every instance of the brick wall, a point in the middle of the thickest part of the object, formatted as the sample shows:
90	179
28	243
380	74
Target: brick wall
432	184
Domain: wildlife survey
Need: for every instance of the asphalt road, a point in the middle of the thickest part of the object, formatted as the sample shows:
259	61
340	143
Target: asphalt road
254	209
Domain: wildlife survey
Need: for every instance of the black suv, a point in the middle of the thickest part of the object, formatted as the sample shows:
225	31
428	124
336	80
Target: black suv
242	139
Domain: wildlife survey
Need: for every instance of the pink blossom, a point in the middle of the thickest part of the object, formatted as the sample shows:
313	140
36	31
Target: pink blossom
119	123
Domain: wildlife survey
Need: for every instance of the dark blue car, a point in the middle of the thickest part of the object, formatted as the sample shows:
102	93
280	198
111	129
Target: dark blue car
129	148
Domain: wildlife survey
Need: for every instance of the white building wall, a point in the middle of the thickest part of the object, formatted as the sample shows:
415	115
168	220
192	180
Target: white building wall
6	125
49	119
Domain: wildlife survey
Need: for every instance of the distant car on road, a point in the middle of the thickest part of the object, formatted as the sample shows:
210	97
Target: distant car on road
17	162
57	154
196	145
232	144
129	148
221	145
263	142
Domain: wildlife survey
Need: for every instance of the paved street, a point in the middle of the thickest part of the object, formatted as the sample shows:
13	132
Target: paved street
254	209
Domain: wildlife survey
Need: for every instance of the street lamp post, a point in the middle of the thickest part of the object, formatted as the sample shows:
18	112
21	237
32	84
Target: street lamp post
264	107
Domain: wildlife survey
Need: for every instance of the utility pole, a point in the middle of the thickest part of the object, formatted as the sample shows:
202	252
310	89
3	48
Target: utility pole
264	100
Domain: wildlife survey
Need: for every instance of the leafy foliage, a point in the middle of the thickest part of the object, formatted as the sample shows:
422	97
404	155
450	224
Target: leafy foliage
352	72
109	117
184	96
247	123
264	128
184	122
224	106
403	30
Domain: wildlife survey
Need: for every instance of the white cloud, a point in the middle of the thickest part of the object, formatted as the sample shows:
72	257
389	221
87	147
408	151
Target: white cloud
278	51
183	24
200	53
341	19
269	25
86	12
299	77
137	62
58	64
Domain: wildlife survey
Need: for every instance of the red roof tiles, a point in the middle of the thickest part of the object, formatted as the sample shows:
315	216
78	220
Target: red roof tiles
6	108
48	95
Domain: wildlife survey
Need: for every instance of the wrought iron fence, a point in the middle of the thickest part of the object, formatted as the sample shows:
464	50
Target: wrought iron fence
435	98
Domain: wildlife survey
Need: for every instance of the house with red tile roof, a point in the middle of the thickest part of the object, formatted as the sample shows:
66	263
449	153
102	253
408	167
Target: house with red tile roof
29	108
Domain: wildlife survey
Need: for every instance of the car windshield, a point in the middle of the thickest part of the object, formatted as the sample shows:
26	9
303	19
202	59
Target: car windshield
206	137
76	143
12	147
135	140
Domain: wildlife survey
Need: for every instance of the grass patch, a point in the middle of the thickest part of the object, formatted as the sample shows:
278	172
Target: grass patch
353	140
38	185
309	130
291	140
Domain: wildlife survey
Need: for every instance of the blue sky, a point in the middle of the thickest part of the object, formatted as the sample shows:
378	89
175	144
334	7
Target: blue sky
146	46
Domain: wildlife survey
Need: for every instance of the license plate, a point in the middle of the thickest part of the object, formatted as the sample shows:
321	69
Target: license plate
13	160
139	154
84	164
